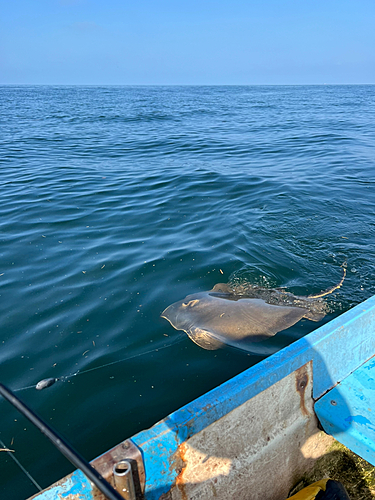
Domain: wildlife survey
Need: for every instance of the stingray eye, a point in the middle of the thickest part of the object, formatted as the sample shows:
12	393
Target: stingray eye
191	303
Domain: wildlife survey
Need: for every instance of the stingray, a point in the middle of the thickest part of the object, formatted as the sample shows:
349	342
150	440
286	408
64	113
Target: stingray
238	315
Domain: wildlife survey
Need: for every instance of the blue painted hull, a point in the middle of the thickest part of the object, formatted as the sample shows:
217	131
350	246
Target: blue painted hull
301	374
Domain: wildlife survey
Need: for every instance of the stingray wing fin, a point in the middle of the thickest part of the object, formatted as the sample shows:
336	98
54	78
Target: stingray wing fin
256	320
204	339
314	315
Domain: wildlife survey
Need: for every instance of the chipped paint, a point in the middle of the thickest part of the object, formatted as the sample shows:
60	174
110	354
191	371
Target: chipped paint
73	487
232	453
77	487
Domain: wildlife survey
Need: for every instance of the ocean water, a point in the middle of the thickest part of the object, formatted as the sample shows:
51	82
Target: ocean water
117	201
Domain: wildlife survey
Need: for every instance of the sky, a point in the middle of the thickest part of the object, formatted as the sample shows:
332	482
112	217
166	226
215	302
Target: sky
187	42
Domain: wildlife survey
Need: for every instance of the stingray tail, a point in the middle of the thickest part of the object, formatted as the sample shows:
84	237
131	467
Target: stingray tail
333	288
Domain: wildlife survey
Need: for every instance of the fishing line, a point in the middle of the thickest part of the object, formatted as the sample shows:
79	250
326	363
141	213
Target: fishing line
71	455
22	468
182	337
25	388
47	382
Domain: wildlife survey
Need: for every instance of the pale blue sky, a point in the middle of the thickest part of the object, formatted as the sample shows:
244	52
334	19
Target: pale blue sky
187	42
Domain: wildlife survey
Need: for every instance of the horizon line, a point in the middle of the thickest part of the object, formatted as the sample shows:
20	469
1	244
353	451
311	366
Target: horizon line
182	84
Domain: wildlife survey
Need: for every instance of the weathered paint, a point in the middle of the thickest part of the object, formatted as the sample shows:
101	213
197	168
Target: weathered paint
327	348
76	486
261	438
348	411
73	487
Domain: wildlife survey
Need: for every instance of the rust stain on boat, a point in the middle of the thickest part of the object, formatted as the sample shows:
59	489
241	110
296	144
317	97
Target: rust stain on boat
302	379
180	482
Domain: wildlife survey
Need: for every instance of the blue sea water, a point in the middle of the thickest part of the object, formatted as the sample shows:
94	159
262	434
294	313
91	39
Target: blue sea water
117	201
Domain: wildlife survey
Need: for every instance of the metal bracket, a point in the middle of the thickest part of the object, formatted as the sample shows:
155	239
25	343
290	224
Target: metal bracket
123	468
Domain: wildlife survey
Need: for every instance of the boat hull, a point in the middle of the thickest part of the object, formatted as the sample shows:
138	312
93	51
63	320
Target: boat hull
258	428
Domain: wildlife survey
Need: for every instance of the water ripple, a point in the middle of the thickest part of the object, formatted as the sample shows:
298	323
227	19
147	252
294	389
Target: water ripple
117	201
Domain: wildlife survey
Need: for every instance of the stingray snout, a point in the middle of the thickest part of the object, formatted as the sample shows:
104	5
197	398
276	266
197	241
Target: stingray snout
171	312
